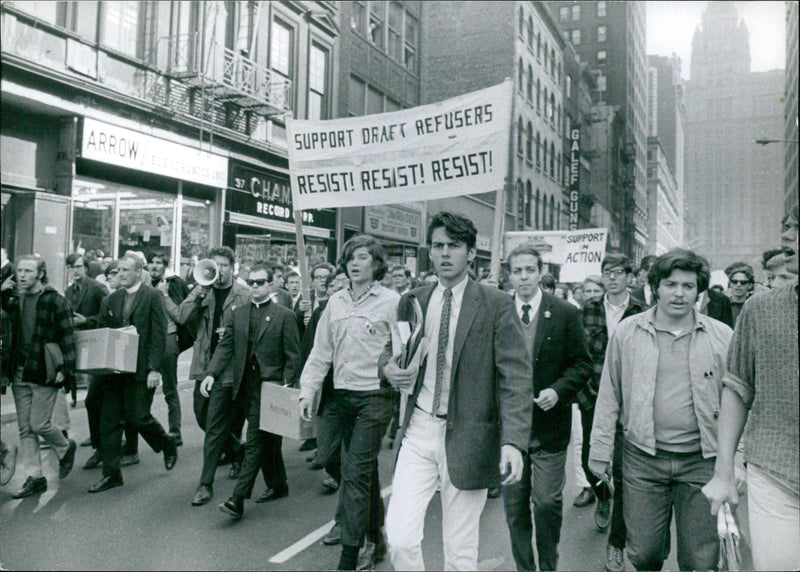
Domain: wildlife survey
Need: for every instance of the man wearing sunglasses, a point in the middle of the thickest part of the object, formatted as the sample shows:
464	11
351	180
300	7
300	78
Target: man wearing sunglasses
740	285
262	343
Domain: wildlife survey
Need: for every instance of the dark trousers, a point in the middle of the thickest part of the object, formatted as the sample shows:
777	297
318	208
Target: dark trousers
394	424
601	489
94	403
542	483
169	379
222	409
263	450
232	445
125	398
329	440
363	416
131	434
618	532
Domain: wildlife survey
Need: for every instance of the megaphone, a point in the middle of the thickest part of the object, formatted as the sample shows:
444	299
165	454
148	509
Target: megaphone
205	272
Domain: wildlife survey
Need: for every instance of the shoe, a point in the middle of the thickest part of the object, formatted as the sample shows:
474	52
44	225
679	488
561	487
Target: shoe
66	463
585	498
170	452
316	466
106	483
236	468
370	555
273	494
602	514
329	486
308	445
311	457
94	461
234	507
86	442
128	460
615	559
334	536
178	439
203	495
31	487
65	434
493	493
9	464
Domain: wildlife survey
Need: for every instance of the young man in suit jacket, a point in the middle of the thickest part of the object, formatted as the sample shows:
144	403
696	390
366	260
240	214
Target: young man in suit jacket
261	340
128	396
555	344
468	417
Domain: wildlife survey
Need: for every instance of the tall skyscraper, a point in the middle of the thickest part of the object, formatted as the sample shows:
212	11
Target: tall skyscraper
734	187
610	37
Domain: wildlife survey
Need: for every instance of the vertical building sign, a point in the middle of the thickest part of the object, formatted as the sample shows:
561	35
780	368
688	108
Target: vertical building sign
574	177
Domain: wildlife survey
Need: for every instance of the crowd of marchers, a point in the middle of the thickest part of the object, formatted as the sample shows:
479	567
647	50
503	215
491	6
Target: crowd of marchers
678	396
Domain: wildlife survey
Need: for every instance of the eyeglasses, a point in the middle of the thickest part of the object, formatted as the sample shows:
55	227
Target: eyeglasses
113	272
614	273
318	277
741	282
258	282
77	266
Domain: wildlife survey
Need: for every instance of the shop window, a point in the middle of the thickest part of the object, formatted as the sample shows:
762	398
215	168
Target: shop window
318	82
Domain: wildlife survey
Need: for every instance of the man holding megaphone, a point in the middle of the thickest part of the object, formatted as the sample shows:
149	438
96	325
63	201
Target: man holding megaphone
203	312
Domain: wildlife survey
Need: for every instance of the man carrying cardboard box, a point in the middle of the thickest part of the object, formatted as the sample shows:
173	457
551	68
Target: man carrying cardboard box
262	340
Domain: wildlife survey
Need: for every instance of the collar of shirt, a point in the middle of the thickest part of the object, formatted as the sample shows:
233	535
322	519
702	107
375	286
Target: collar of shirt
371	290
534	302
263	302
135	288
613	307
697	324
458	290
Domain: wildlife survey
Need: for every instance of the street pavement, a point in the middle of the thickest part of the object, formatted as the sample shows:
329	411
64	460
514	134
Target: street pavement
149	523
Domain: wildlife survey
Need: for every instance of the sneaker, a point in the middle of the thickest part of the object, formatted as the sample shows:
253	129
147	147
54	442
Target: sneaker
585	498
615	559
31	487
602	514
370	555
329	486
8	464
128	460
334	536
202	495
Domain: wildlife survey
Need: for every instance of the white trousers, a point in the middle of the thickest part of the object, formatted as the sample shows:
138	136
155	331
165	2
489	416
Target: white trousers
774	514
421	467
577	447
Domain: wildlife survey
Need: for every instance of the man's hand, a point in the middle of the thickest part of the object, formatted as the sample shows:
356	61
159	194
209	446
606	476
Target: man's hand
202	292
510	465
721	489
400	378
153	379
8	284
78	319
304	305
59	378
305	409
206	385
163	286
600	469
547	399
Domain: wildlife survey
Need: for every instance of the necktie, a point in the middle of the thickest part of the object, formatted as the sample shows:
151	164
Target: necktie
526	317
441	348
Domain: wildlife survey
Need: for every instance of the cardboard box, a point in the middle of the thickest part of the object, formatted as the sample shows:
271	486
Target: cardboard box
280	412
105	350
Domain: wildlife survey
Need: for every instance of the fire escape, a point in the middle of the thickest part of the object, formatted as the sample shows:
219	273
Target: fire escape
221	87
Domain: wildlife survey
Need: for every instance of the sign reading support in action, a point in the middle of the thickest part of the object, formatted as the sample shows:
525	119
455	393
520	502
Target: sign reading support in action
578	252
450	148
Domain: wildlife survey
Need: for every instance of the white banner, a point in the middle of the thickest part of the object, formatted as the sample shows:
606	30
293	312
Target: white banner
578	252
127	148
453	147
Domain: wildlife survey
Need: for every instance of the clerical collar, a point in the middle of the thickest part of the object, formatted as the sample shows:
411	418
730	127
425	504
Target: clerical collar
135	288
262	303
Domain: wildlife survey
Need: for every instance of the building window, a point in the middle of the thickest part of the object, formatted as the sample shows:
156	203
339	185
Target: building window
575	37
376	33
317	83
122	27
569	86
558	119
538	95
530	83
374	101
529	143
521	76
358	21
536	217
546	104
601	33
563	14
395	31
538	150
576	12
519	136
356	103
552	159
539	46
558	167
552	112
410	42
552	63
281	49
528	201
568	124
552	212
544	155
530	32
601	9
601	56
521	22
601	83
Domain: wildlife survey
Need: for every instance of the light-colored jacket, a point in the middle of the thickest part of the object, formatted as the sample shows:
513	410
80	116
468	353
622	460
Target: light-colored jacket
627	386
198	316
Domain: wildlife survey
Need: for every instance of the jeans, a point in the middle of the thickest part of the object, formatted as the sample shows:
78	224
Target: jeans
363	416
169	378
35	404
543	479
421	466
774	513
654	487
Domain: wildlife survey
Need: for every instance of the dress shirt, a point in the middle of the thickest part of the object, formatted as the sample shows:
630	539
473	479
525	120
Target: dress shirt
351	336
433	317
534	302
614	313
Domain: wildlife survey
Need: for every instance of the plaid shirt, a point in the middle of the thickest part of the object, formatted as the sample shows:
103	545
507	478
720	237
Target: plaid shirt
53	325
594	326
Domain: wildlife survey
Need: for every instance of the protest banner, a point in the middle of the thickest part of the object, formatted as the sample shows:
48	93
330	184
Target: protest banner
578	253
454	147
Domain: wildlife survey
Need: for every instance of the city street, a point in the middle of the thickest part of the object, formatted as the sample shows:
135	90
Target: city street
149	523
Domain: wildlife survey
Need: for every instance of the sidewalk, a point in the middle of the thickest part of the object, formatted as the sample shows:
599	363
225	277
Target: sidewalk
8	412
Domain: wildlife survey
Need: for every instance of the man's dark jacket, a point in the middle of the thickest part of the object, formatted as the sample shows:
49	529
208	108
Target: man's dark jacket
85	297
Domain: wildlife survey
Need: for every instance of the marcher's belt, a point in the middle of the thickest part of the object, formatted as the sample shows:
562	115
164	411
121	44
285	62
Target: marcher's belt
442	416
